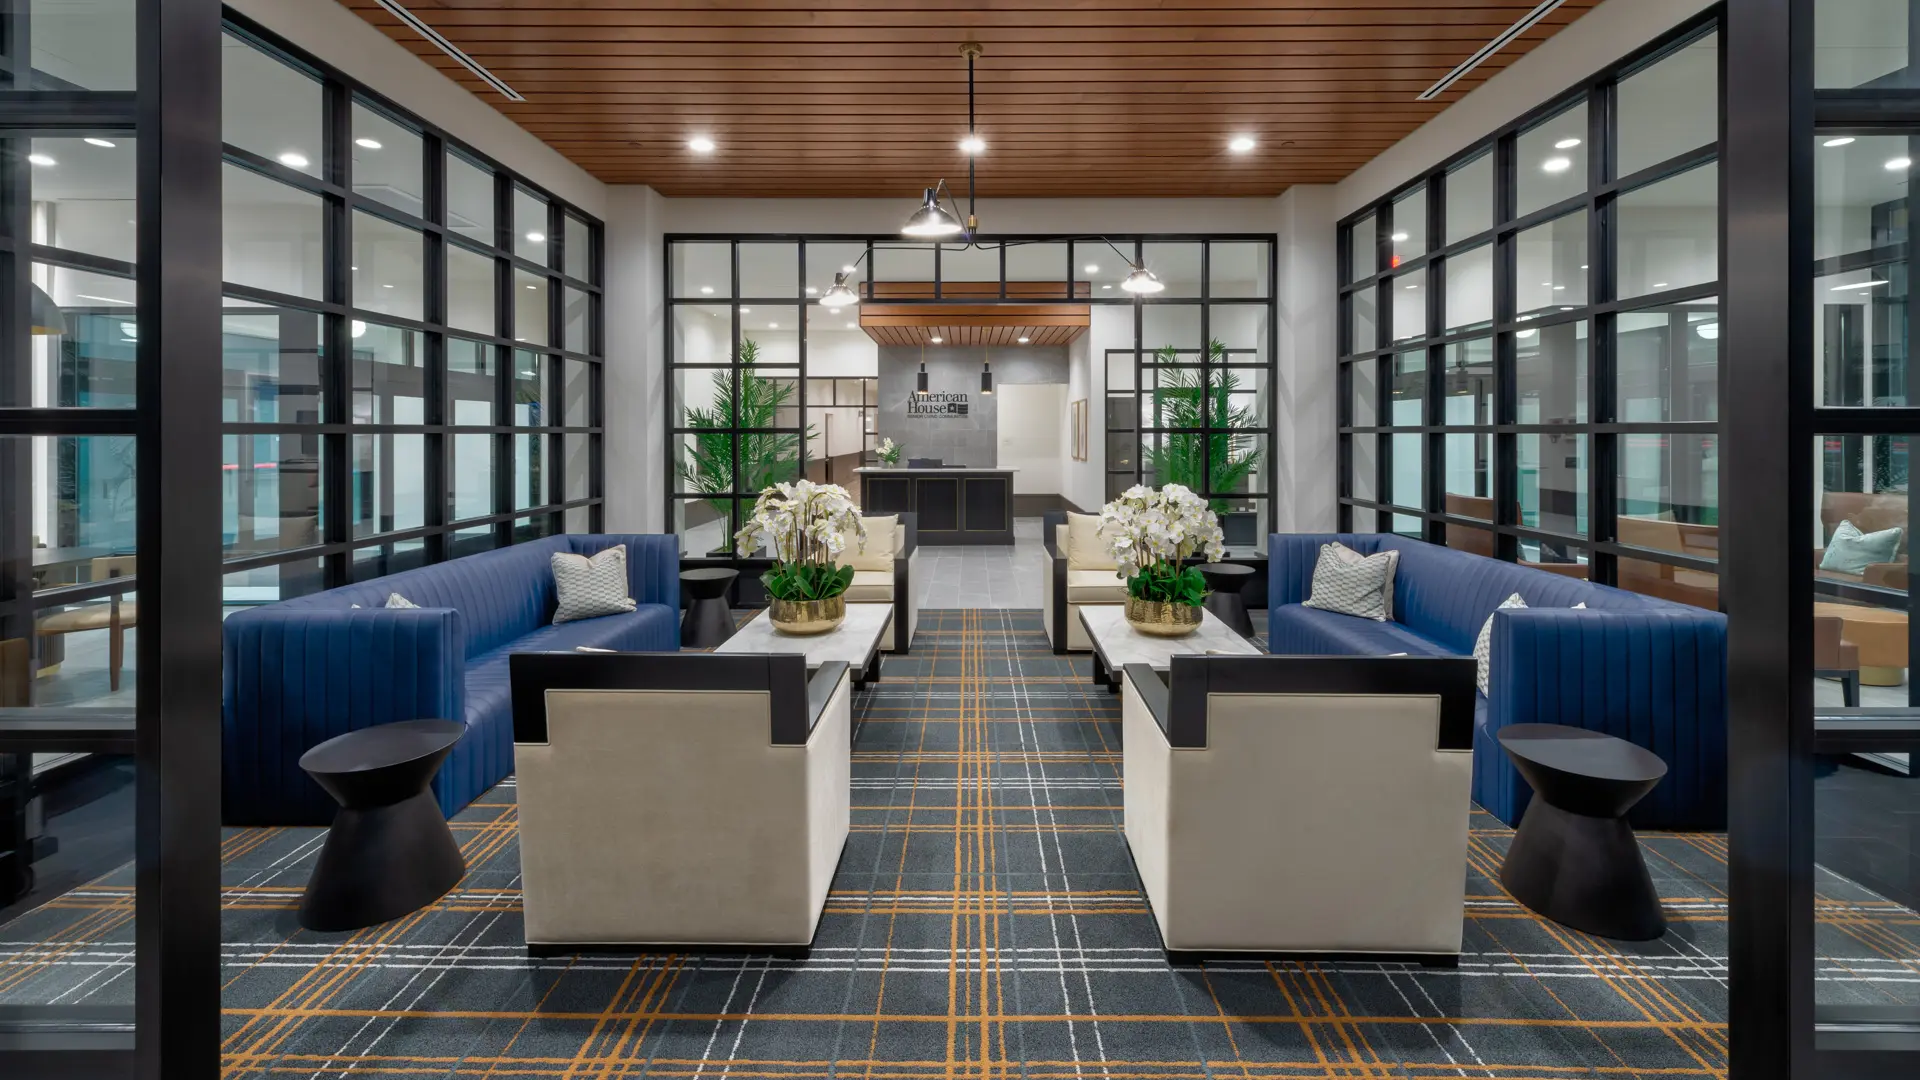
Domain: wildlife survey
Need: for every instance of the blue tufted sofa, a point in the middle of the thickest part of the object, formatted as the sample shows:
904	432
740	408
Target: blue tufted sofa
302	671
1649	671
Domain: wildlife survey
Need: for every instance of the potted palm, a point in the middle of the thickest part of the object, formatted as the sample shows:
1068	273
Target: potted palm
806	525
1153	534
765	457
1222	461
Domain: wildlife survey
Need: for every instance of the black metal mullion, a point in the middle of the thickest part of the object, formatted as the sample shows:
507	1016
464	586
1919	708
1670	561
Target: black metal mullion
437	447
504	452
336	449
800	389
1434	480
1506	368
1601	389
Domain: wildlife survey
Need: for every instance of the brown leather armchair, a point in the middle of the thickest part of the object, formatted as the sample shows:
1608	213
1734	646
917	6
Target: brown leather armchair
1836	658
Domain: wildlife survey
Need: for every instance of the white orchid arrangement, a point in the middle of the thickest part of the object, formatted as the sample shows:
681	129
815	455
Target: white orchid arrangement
806	525
1151	535
888	452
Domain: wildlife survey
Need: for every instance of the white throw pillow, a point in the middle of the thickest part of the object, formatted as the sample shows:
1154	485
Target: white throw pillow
1087	547
1483	648
395	600
1349	583
591	587
879	552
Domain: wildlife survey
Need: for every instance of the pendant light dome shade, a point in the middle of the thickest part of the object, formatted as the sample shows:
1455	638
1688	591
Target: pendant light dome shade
46	315
931	219
839	295
1142	280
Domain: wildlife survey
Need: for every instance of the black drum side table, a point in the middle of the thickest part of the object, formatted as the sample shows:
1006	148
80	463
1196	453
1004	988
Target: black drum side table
389	851
1225	601
709	619
1574	858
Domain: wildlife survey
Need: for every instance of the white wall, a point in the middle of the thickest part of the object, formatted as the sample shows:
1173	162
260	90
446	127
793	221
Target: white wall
1080	480
1593	42
356	47
1031	415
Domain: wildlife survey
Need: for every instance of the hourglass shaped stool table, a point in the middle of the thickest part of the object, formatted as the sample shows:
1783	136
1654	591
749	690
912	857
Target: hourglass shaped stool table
709	619
389	851
1574	858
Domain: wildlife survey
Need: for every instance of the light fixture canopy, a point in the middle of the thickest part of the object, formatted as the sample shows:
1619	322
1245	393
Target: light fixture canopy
1142	281
839	294
932	219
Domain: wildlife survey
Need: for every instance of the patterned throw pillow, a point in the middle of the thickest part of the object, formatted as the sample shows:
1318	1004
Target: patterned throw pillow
1483	648
1349	583
591	587
395	600
1852	551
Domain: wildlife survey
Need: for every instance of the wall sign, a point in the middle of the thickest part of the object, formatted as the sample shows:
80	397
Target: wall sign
936	406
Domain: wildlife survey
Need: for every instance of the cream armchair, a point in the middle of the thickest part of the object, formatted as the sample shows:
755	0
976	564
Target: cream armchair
670	800
888	572
1314	806
1079	572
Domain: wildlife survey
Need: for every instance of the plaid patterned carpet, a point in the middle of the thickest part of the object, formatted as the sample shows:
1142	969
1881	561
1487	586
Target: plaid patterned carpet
986	922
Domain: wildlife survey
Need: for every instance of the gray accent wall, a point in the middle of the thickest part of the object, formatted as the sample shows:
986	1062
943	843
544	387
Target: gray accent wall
973	439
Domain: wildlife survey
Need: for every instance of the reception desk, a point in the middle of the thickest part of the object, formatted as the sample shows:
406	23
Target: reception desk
955	505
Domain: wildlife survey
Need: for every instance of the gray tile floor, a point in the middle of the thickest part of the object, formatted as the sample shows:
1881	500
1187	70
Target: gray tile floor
985	577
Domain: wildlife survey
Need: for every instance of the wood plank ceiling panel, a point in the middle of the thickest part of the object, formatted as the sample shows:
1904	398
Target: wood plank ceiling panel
868	97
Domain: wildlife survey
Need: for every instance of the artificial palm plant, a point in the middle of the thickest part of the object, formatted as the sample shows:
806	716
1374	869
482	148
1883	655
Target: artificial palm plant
1219	461
766	458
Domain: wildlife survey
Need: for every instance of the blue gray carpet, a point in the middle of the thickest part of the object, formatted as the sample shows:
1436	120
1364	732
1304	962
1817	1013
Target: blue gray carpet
985	923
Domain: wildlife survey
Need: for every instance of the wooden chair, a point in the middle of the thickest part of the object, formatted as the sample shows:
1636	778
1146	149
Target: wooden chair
114	616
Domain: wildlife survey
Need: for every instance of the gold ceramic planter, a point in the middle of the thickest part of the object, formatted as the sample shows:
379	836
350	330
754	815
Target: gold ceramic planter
1157	619
806	617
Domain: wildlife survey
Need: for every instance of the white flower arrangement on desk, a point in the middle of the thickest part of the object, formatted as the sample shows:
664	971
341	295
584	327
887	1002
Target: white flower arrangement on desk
1152	534
807	525
888	453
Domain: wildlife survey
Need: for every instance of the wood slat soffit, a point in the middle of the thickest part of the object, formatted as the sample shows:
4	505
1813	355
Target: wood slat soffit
867	98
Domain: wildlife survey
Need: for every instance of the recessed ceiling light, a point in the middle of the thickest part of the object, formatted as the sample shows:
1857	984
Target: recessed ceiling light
294	159
1240	144
1566	144
1858	285
94	141
1583	266
1559	288
366	143
812	289
973	144
1106	286
773	326
1525	333
536	238
700	144
1547	284
706	290
1413	286
1566	309
1400	238
1844	140
1023	341
853	326
746	311
42	159
1659	284
1710	331
359	328
386	286
1093	268
530	288
1899	163
935	339
1556	164
847	269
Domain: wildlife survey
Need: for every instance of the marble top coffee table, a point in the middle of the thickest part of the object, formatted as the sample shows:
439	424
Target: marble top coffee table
856	641
1117	644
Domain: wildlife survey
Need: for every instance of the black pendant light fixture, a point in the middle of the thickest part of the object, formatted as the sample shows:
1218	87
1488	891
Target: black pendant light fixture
933	221
920	386
986	375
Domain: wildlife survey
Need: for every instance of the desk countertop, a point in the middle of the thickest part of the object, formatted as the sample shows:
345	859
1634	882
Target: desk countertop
943	469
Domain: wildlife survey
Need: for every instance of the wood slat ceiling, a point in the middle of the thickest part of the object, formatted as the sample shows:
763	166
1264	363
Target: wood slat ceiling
867	98
995	323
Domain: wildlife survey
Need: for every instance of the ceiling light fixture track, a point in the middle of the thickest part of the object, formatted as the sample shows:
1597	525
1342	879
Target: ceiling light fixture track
1524	24
460	57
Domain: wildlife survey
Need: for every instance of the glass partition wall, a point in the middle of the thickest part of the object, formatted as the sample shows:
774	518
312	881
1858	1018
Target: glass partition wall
1529	336
766	385
463	304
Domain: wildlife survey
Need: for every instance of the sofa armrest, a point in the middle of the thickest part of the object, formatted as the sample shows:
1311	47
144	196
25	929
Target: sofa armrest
653	563
1891	575
297	676
821	686
1154	693
907	539
1655	679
